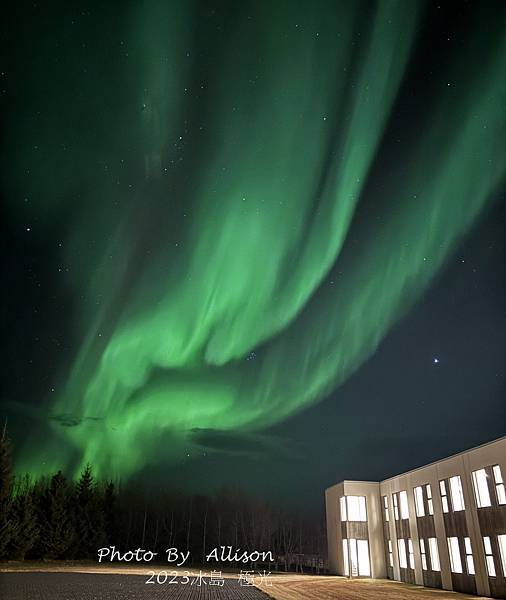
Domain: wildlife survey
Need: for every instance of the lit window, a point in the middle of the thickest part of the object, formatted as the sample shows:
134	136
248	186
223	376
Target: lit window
489	557
356	508
444	497
353	508
434	554
457	493
385	508
403	562
391	554
481	488
403	501
411	554
499	485
430	504
454	551
502	549
396	507
364	565
469	556
346	558
356	552
344	513
420	510
423	554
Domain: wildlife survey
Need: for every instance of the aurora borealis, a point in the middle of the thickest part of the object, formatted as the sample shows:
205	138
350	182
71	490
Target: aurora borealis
209	170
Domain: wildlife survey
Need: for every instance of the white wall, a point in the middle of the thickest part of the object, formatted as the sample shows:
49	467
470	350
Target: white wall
461	464
374	523
334	537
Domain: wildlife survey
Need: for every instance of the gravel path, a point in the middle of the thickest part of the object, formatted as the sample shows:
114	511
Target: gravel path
86	586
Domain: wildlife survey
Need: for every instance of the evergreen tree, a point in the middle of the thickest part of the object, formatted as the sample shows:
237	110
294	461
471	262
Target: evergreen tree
7	519
39	495
89	516
57	531
110	516
25	517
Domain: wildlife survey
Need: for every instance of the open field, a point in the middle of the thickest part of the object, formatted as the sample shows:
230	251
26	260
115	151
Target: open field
310	587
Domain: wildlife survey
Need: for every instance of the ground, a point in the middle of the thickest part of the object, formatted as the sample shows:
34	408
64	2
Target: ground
308	587
104	582
93	586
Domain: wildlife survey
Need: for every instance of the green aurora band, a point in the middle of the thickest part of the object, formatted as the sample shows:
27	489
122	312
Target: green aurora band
229	251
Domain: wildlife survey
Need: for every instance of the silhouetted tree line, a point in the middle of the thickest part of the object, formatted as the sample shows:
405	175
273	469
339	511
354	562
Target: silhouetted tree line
55	518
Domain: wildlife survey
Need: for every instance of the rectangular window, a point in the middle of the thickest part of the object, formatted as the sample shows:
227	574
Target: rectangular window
344	512
391	553
420	509
403	562
356	508
396	507
454	551
385	509
434	554
489	556
356	553
481	488
457	493
411	554
353	508
444	497
469	556
502	549
403	501
430	503
423	554
362	508
499	485
364	565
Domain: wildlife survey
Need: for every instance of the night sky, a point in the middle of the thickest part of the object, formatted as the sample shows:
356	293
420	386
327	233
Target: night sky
252	243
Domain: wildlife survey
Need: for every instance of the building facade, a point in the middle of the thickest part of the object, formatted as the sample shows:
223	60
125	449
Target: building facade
442	525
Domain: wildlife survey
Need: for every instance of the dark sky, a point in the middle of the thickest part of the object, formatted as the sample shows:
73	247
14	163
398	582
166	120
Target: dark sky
252	245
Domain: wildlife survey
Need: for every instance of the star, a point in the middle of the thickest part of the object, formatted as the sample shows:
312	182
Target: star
435	361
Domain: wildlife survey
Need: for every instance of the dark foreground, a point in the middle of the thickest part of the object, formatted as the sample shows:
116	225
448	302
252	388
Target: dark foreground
89	586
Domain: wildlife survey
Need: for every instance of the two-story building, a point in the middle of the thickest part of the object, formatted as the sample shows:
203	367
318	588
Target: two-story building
442	525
